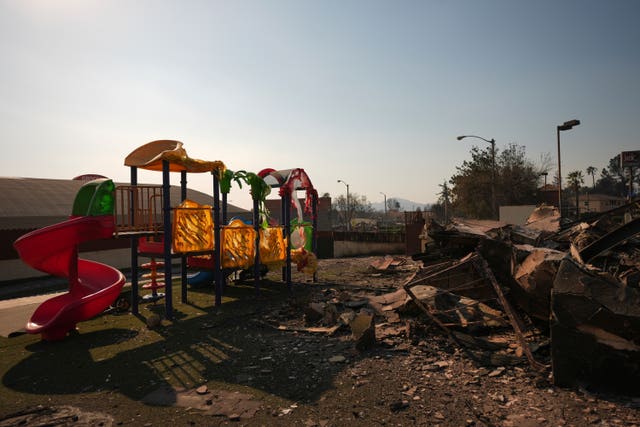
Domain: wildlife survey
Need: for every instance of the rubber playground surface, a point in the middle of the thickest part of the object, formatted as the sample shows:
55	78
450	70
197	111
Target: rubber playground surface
117	360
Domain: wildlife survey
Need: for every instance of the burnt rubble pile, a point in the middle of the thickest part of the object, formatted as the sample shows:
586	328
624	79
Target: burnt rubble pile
576	282
563	298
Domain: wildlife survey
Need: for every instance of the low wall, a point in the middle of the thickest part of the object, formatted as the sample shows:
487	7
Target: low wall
343	248
516	215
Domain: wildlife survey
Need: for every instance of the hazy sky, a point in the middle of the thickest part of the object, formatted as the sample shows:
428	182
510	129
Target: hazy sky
370	92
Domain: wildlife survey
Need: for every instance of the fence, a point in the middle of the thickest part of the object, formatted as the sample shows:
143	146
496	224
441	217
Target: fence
368	236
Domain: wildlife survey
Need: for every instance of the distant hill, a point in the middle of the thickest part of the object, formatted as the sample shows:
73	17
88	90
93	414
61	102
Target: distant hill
405	205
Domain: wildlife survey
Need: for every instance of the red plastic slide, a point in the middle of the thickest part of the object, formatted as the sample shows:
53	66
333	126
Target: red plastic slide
93	286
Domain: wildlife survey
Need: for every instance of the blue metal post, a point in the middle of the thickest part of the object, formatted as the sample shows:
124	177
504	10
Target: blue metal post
134	242
217	258
225	215
314	235
183	259
166	198
283	222
256	260
287	230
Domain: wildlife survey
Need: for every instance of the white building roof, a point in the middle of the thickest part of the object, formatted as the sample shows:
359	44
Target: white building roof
28	203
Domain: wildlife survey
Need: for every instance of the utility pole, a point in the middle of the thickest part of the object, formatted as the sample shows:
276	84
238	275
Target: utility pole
348	213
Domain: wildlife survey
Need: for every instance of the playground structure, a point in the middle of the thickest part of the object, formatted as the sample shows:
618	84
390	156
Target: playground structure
202	236
199	235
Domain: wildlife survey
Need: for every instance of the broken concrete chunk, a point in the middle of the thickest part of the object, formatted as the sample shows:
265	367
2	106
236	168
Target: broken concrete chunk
544	218
314	312
330	315
347	316
363	330
535	276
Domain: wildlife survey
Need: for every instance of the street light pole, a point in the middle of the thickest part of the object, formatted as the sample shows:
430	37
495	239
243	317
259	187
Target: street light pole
348	216
565	126
385	204
493	170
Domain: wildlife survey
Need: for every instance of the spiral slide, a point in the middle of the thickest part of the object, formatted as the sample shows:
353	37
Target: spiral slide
93	286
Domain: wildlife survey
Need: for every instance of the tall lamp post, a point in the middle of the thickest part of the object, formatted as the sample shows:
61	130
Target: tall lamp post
348	206
565	126
385	204
493	170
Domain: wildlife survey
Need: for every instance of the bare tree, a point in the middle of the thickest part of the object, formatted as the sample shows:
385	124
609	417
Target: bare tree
358	206
545	164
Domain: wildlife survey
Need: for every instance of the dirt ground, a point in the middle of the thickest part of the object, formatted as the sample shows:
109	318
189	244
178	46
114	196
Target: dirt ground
255	361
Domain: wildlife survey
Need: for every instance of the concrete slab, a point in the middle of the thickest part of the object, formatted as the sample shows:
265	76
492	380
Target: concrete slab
15	313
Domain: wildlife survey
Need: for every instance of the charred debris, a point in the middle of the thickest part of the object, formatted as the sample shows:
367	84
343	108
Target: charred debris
563	299
575	283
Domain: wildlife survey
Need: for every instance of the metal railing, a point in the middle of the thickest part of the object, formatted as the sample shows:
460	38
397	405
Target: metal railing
138	208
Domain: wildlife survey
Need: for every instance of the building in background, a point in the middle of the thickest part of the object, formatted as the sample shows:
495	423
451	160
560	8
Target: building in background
32	203
590	203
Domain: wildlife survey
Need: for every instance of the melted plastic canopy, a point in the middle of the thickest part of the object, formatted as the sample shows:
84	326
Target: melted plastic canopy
151	155
291	179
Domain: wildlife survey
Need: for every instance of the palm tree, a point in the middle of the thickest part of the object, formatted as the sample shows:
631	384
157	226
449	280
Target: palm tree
592	171
575	179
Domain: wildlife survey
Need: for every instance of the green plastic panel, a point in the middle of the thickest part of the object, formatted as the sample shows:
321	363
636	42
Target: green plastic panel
95	198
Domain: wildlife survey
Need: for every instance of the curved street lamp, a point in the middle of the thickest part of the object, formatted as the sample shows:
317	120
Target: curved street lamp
565	126
348	207
493	169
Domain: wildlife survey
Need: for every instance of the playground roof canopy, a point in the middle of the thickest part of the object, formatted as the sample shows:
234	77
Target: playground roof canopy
151	155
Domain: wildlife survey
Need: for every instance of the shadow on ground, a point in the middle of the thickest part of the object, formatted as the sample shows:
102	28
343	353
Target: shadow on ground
229	346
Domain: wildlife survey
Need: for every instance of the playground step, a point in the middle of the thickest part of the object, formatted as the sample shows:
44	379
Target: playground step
151	275
153	285
151	265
